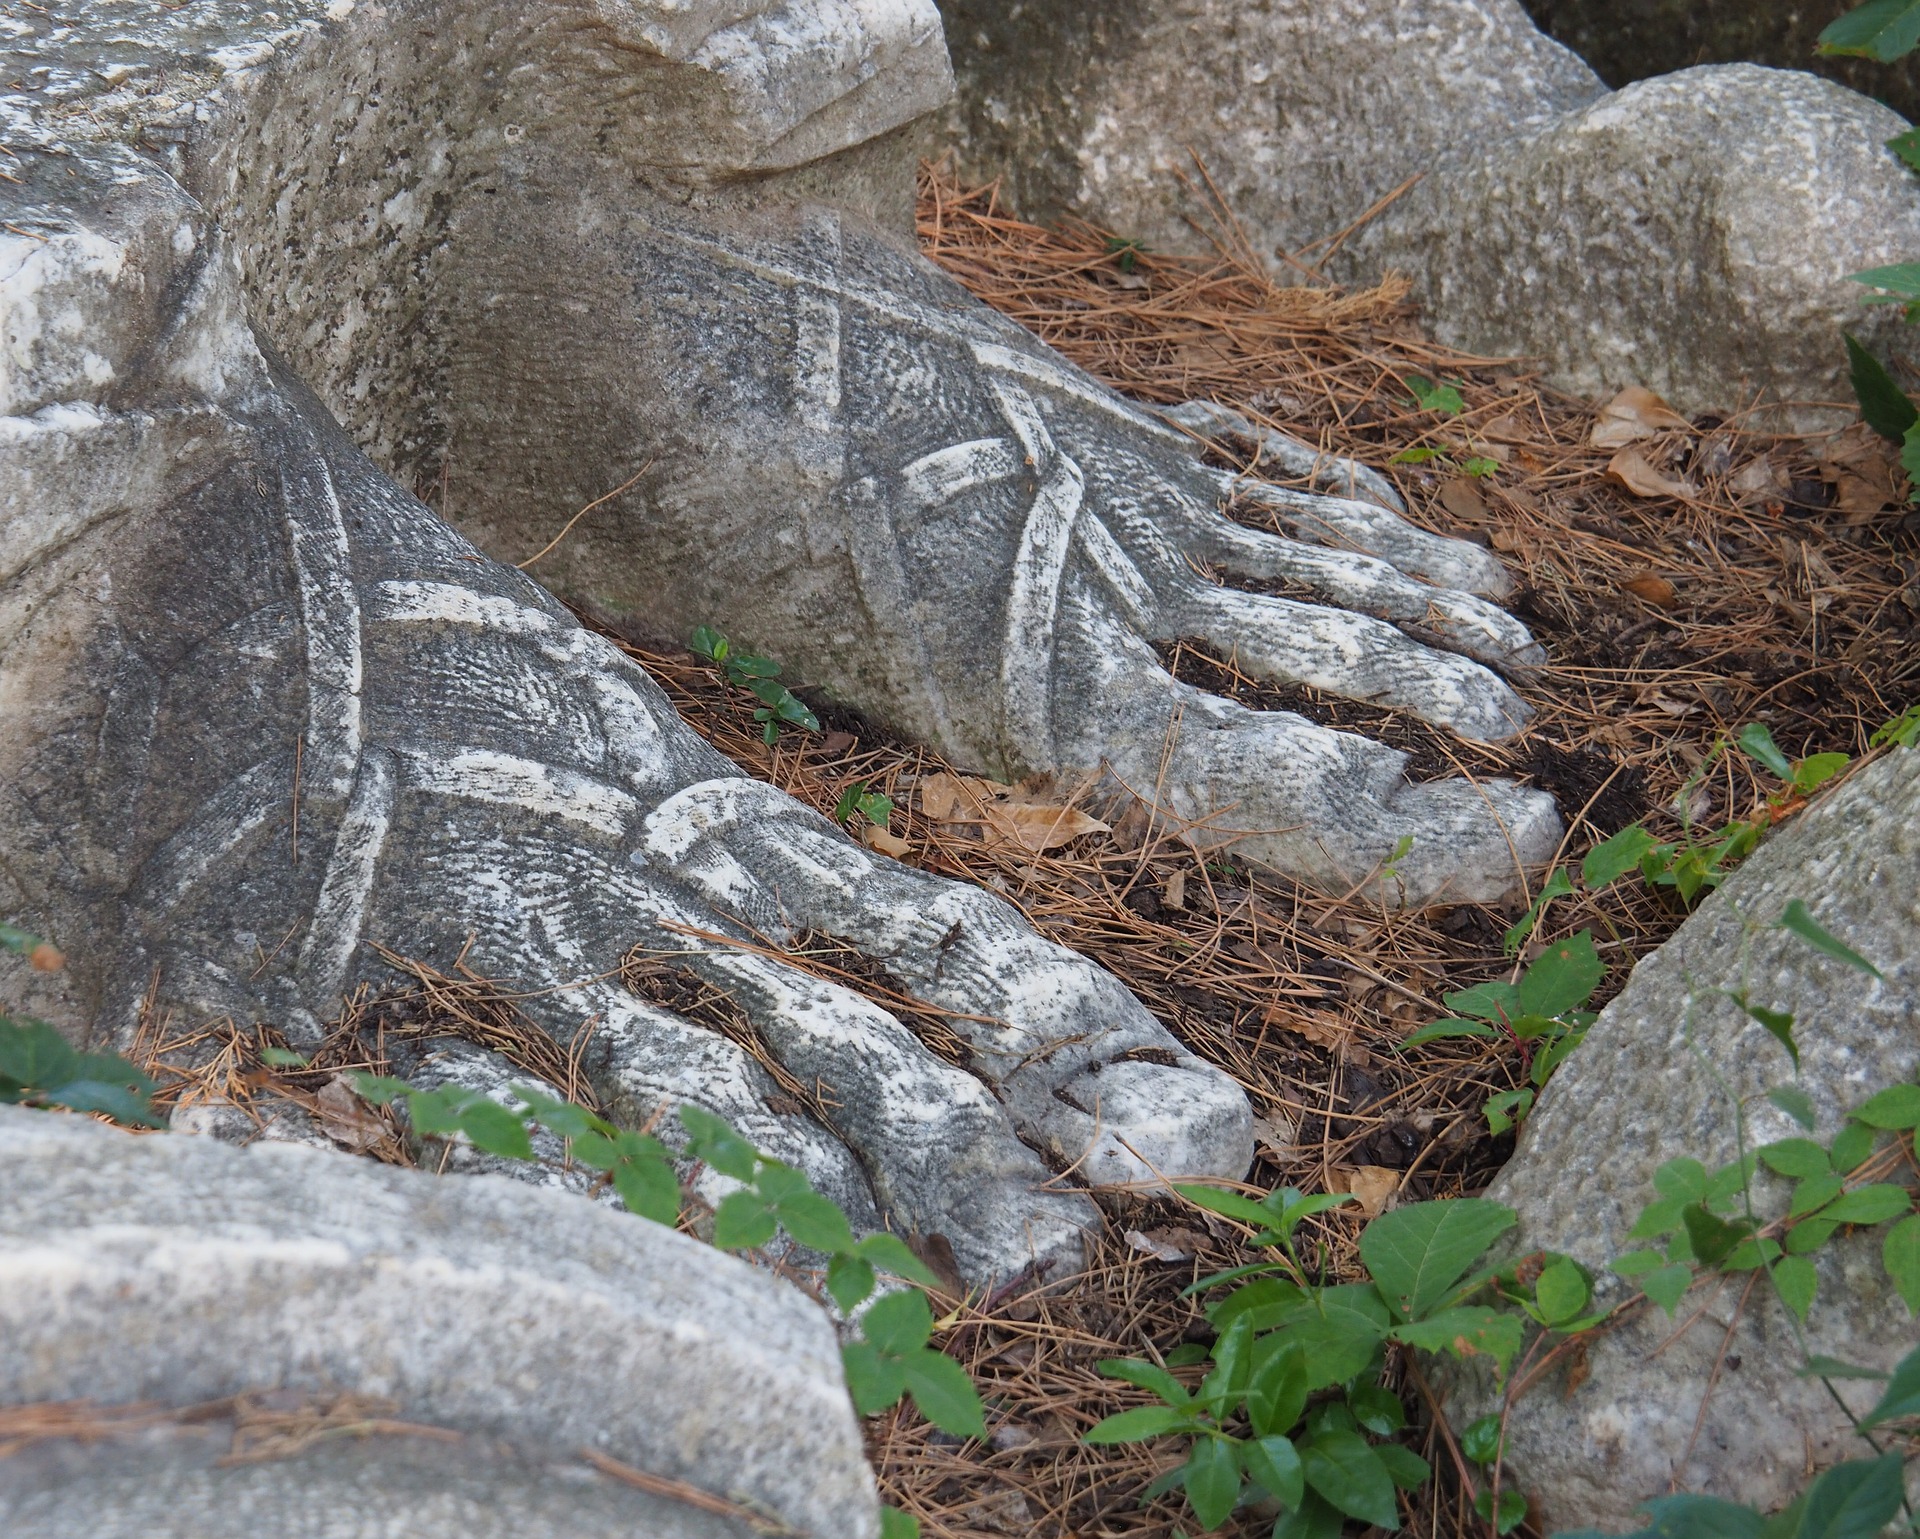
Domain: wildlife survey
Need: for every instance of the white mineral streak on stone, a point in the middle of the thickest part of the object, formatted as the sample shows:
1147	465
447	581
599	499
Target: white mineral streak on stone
937	478
47	344
486	775
1328	472
230	817
330	615
340	911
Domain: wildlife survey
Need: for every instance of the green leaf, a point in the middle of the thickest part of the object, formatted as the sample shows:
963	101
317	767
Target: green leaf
1799	921
1851	1145
1815	1192
1431	397
1417	456
487	1124
1758	744
1275	1463
1312	1519
1228	1204
743	1221
1814	771
1796	1158
1615	857
1480	1442
1495	1001
895	1524
1657	1218
1684	1178
1883	404
1635	1263
1338	1331
1349	1475
1712	1237
1561	1291
122	1103
1405	1468
1898	1106
1902	1396
1667	1285
1416	1253
1562	977
282	1058
561	1117
711	1140
899	1322
1277	1391
1478	466
1880	29
1504	1109
1750	1255
1377	1408
374	1089
1148	1376
648	1187
1725	1184
1452	1026
1213	1481
1267	1301
943	1393
708	642
1854	1500
1139	1424
1805	1239
1189	1354
1903	730
875	1381
1819	1366
890	1254
18	941
1869	1204
1226	1385
1777	1022
850	1282
1910	447
1557	885
1466	1331
1795	1102
1700	1517
1513	1507
32	1053
1795	1279
1900	1254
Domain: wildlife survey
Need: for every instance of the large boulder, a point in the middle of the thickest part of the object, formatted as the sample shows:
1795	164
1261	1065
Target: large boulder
1718	1407
1692	234
176	1271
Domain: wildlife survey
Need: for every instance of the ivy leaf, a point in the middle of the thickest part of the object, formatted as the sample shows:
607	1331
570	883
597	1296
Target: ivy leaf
1349	1475
1795	1280
1684	1178
1480	1441
1415	1254
1851	1145
1898	1106
33	1054
943	1392
1667	1285
1900	1254
874	1380
1854	1500
1902	1396
1561	1291
1814	1193
1712	1237
1275	1463
1796	1158
1444	399
1800	922
815	1222
648	1187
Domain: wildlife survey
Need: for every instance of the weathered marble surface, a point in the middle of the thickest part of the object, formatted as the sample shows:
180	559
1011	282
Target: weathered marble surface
1635	1095
180	1270
1691	234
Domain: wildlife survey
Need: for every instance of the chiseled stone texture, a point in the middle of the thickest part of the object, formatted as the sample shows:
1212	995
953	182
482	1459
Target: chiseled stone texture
1691	234
180	1270
1636	1095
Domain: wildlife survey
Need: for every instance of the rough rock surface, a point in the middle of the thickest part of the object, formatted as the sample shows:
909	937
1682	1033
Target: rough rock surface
1635	1096
179	1270
1691	234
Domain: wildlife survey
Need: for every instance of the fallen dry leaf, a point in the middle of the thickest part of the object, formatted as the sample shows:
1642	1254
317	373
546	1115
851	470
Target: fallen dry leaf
1633	414
1371	1187
1174	894
876	838
1276	1134
1004	1511
1656	591
1630	468
1508	429
1757	480
1302	1024
1020	816
345	1118
1461	497
1164	1244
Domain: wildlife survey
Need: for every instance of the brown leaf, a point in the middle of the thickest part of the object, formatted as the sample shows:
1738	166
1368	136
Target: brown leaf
1165	1244
1321	1030
1276	1134
1461	497
1757	480
1633	414
1020	816
1630	468
1004	1511
1656	591
1371	1187
345	1118
46	959
1174	894
837	742
887	844
1508	429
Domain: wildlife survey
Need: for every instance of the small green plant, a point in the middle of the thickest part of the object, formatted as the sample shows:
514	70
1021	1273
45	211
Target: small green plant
761	677
39	1068
892	1357
1544	1015
1479	466
1126	252
1443	398
1901	732
875	806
